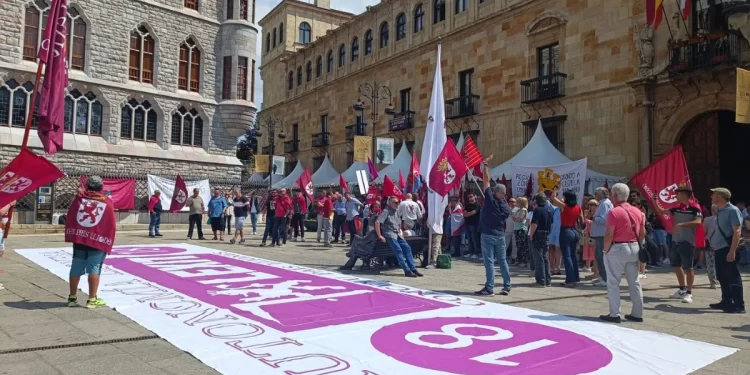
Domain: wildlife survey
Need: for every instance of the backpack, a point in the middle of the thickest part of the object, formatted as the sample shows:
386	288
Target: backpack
444	261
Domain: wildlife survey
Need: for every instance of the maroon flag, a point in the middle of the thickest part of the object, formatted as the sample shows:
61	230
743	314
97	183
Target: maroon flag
179	196
343	184
504	181
448	170
401	181
372	195
414	178
27	172
530	187
91	221
305	184
390	189
52	95
471	154
371	167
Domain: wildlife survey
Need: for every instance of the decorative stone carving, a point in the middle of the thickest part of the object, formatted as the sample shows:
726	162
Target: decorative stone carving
666	107
646	46
545	21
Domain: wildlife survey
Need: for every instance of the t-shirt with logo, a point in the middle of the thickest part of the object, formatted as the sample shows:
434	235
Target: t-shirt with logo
240	206
684	214
271	207
195	204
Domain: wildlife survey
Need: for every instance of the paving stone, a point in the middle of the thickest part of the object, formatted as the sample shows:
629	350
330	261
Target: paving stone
105	329
150	350
124	364
184	364
25	364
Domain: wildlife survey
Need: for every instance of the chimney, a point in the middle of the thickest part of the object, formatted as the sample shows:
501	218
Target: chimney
325	4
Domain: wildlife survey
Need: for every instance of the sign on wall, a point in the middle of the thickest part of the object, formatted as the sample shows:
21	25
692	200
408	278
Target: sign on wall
384	151
261	163
362	148
278	165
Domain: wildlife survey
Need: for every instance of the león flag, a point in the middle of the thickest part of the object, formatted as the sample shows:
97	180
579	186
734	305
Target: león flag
448	170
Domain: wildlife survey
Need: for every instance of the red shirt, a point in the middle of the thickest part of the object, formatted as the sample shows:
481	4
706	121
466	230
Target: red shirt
325	211
569	216
283	206
618	218
302	202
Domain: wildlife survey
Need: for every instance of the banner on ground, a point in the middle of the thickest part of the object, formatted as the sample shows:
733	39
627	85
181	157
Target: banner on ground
743	96
166	186
24	174
568	177
120	190
245	315
261	163
362	148
384	150
278	165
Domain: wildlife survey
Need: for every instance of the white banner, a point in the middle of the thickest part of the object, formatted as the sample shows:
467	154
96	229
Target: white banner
246	315
568	177
384	151
166	186
278	165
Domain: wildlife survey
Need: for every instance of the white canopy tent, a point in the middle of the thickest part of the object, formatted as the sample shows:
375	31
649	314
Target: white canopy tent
325	173
402	163
350	174
256	178
276	178
291	180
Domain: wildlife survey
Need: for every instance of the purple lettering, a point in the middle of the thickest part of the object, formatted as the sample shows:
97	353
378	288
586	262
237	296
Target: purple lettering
337	366
256	331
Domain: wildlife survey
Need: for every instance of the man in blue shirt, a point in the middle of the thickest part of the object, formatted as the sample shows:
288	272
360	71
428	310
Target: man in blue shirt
492	226
216	207
353	205
339	218
725	241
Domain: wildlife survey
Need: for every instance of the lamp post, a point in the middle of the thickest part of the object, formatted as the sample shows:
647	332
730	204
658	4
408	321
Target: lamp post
375	94
270	122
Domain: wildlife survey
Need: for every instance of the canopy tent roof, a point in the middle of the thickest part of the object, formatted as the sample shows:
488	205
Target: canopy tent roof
540	152
256	178
275	177
402	163
350	174
290	180
325	173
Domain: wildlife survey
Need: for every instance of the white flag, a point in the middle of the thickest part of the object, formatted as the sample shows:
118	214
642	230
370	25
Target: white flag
434	142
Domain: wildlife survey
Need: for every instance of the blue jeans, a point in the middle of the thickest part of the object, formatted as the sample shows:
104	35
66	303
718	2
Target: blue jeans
403	253
568	245
279	227
494	247
254	221
472	232
599	255
153	224
540	254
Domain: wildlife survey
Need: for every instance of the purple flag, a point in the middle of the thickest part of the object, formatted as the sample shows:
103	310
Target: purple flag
52	95
373	171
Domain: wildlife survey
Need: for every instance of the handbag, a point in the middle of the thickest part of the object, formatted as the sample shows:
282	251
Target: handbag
643	255
444	261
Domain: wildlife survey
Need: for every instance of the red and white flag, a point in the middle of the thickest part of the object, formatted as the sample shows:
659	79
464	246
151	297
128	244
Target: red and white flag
401	181
685	7
448	170
179	196
25	173
391	190
305	184
52	95
343	184
372	195
91	221
471	154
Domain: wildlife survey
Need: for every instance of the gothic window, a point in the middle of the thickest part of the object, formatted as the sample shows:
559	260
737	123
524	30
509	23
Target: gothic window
14	103
230	9
319	66
281	32
268	42
368	42
242	78
329	62
226	79
187	128
305	33
290	80
190	66
299	75
438	11
384	35
342	55
142	50
355	49
243	9
138	121
400	26
308	71
83	113
36	22
461	5
191	4
419	18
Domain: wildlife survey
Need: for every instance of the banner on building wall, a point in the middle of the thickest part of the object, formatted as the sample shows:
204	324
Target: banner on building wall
278	165
362	148
120	190
567	177
384	150
743	96
166	187
261	163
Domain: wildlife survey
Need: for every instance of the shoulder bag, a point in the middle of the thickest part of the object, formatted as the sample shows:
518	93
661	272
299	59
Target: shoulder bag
643	255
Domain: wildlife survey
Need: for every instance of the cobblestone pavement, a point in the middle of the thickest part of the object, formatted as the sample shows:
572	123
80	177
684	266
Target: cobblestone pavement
33	316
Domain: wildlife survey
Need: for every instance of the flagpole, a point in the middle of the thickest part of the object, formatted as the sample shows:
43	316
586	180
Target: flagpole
681	15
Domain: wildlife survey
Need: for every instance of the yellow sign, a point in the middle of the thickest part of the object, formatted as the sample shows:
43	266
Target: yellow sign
743	96
548	180
362	148
261	163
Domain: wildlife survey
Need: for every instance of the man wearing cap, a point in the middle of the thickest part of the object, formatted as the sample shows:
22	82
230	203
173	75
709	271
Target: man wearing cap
725	239
686	217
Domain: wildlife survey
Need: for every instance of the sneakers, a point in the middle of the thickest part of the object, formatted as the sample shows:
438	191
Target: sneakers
430	266
72	301
484	292
410	274
642	276
302	239
505	292
417	273
680	294
94	303
687	298
158	235
600	283
666	262
151	236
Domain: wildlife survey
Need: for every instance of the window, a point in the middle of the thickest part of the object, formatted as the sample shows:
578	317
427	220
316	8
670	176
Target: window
329	62
268	42
138	121
230	9
281	32
405	100
342	55
324	124
409	146
290	80
242	78
187	128
14	102
35	24
419	18
368	42
226	83
319	66
355	49
299	75
548	58
400	26
190	66
253	20
308	71
553	128
438	11
274	37
142	48
191	4
317	162
384	35
243	9
465	80
461	5
83	113
252	82
305	33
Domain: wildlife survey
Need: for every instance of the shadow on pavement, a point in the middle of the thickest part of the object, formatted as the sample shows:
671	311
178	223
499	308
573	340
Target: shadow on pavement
26	305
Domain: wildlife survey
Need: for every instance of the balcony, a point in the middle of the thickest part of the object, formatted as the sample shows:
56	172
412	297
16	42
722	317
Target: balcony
266	150
291	146
320	139
401	121
354	130
703	52
462	106
543	88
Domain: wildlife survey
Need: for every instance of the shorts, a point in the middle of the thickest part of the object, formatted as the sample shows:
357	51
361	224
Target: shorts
239	222
86	260
660	237
217	224
682	254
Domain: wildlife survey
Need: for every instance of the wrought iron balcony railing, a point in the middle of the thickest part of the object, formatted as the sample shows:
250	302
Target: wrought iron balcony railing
462	106
291	146
354	130
401	121
704	51
543	88
320	139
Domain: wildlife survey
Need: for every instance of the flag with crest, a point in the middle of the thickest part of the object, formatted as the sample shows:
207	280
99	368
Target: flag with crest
448	171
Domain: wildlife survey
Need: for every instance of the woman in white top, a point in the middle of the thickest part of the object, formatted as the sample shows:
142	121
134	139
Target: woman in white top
521	231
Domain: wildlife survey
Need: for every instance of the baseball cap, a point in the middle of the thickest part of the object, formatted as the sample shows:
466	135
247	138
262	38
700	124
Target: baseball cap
724	192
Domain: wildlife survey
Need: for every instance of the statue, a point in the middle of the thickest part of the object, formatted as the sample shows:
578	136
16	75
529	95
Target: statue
646	36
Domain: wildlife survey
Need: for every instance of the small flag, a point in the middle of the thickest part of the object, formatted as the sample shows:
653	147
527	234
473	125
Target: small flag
530	187
343	184
372	170
471	154
504	181
654	12
179	196
390	189
685	6
401	181
305	184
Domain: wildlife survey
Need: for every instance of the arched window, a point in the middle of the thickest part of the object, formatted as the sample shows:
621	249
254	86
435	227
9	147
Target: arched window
384	35
83	113
274	38
138	121
342	55
305	33
187	128
419	18
368	42
299	75
191	4
281	32
438	11
142	49
329	62
14	100
190	66
461	5
355	49
230	9
244	10
34	24
319	66
308	71
290	80
268	42
400	26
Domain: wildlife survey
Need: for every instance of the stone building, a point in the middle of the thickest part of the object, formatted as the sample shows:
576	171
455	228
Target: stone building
159	87
602	84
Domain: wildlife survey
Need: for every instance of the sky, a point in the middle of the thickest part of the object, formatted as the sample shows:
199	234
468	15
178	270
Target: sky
262	7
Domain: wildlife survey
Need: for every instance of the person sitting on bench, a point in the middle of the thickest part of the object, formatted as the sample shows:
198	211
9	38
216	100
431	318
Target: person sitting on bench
388	227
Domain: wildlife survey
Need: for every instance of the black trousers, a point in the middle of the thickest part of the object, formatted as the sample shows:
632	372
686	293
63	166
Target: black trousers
298	224
730	279
229	223
338	227
195	219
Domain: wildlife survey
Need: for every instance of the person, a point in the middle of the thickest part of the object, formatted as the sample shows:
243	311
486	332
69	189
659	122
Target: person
91	244
216	207
254	211
456	224
281	220
353	205
154	211
375	211
709	225
4	214
588	242
269	207
511	251
643	256
410	212
339	218
570	216
726	240
492	226
555	253
323	217
626	228
541	225
196	208
228	213
743	208
598	228
387	227
299	207
241	206
686	217
520	231
471	213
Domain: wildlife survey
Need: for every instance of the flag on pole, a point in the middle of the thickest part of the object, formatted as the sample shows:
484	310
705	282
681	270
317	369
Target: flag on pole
530	188
24	174
390	189
414	182
685	7
343	184
654	12
372	170
471	154
401	181
305	184
179	196
434	143
448	171
504	181
52	95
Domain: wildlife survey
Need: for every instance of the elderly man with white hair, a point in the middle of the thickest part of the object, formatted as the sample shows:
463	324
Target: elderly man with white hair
598	227
626	229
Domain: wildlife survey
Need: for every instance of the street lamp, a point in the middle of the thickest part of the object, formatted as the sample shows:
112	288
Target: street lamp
375	94
270	122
